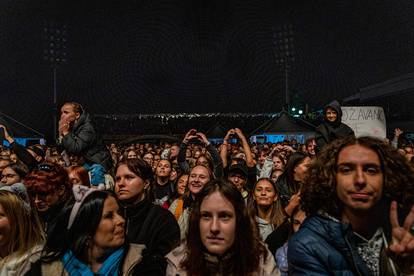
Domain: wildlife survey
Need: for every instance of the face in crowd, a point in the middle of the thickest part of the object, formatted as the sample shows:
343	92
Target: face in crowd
331	114
264	193
182	184
132	154
310	148
47	185
10	176
217	223
68	113
238	180
111	229
277	163
132	180
149	158
174	151
300	169
199	176
359	179
163	169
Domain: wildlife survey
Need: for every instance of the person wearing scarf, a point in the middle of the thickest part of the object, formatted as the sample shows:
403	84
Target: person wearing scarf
88	238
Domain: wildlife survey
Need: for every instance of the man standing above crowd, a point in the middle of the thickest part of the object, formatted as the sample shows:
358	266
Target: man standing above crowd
352	186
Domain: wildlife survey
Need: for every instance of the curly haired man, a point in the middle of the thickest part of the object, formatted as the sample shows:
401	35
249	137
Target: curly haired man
359	200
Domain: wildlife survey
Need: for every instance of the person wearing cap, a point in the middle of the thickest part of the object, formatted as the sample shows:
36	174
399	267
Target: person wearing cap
332	128
238	177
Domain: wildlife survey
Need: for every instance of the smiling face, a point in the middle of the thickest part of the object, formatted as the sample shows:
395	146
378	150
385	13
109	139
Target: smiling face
110	233
217	223
264	193
359	179
182	184
199	176
331	114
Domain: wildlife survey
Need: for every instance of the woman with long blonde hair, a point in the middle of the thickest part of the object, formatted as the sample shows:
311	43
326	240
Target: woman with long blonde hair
21	234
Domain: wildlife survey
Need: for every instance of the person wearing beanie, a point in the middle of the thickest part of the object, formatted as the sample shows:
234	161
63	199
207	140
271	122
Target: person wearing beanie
332	128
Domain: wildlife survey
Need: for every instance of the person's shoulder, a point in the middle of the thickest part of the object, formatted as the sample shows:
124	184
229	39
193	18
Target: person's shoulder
313	229
133	256
176	255
161	213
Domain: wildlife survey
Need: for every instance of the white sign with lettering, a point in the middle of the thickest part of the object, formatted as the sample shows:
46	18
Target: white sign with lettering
365	120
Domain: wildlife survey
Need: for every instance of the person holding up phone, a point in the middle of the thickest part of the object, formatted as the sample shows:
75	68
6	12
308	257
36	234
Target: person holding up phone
213	160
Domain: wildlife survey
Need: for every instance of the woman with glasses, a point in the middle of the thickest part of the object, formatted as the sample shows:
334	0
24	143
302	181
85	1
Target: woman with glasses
14	173
49	189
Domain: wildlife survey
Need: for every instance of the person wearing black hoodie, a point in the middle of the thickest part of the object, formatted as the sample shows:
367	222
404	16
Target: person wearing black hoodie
332	128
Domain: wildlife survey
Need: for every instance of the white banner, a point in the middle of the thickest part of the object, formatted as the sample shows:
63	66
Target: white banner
365	120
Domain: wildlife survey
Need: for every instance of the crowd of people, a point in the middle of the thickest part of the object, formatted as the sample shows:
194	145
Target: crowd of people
335	205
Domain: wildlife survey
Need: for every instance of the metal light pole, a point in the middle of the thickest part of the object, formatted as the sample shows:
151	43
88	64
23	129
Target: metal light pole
54	52
284	54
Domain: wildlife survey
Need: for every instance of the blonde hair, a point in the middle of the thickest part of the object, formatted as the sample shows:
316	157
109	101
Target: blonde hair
25	227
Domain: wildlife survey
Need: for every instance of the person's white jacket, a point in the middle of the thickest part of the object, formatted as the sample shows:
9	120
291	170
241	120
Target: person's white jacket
19	265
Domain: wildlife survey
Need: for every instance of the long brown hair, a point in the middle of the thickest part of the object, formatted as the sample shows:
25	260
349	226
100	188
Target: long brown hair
247	248
277	216
25	227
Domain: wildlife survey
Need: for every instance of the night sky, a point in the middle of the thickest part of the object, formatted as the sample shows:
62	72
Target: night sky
199	56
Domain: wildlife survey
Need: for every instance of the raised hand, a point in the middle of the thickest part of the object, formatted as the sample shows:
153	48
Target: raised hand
64	127
6	134
203	138
398	132
192	133
402	244
229	133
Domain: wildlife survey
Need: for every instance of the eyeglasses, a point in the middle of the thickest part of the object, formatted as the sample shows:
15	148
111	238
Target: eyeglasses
8	176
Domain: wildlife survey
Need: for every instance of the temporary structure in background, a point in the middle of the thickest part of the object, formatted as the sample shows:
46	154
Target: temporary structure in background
283	127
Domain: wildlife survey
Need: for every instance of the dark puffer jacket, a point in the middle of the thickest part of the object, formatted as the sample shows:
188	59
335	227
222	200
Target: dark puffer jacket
329	131
323	246
84	140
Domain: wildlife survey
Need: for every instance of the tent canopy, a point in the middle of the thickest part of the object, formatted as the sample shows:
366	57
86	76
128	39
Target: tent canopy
285	123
